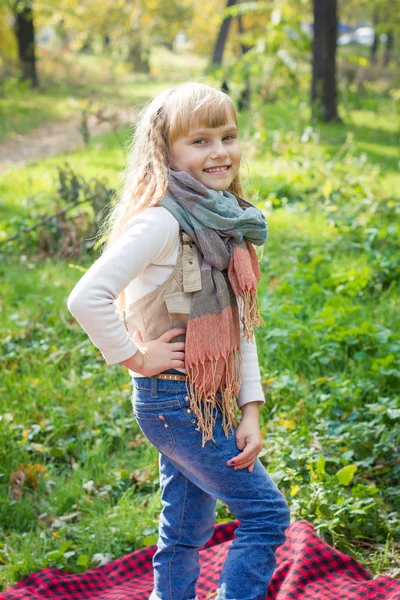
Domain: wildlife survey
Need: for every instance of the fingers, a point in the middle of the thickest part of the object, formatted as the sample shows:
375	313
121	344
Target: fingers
178	364
177	346
249	464
169	335
244	459
243	464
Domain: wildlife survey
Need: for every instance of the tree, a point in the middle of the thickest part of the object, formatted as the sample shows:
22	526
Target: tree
375	44
222	36
25	33
323	87
271	44
385	18
131	26
244	100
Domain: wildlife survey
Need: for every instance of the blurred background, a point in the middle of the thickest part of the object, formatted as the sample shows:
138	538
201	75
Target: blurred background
318	91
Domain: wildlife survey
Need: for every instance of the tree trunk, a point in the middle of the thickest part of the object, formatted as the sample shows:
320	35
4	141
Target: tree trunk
323	87
106	42
222	36
25	33
388	55
375	44
139	57
244	100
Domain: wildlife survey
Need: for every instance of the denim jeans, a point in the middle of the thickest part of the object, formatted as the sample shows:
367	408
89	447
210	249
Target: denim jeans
191	480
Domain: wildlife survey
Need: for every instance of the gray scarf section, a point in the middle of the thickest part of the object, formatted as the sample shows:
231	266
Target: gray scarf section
216	222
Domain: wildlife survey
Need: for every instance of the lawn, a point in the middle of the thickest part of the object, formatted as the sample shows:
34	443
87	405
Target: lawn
69	81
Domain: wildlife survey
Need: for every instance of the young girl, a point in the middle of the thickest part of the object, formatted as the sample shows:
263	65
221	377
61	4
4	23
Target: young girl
181	267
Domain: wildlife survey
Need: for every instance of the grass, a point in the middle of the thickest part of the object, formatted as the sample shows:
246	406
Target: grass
68	81
327	358
375	131
103	156
376	136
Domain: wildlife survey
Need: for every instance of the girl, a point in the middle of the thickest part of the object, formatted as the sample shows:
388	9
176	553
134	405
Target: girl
181	267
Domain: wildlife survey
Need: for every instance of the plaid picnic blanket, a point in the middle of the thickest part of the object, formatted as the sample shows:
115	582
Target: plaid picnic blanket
307	569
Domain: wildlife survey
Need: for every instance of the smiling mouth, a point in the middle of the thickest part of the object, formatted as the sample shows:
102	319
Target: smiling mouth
217	170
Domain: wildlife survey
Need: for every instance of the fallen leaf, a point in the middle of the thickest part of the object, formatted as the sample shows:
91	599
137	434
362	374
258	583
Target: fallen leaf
101	559
17	480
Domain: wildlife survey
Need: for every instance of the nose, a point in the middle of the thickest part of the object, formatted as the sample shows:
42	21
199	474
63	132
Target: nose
218	150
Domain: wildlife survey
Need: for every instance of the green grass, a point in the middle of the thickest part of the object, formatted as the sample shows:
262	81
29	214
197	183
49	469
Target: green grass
376	132
328	357
68	81
103	158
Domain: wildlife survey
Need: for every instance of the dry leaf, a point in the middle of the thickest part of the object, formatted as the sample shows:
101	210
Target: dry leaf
17	480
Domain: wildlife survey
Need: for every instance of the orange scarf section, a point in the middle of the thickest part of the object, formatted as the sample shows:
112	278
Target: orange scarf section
213	358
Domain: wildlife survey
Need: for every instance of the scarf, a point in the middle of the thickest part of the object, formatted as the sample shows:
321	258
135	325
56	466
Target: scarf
224	228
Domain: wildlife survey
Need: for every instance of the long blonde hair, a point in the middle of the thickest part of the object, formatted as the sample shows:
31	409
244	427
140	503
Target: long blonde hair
164	119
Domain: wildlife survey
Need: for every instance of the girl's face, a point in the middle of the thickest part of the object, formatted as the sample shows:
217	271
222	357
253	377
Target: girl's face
210	154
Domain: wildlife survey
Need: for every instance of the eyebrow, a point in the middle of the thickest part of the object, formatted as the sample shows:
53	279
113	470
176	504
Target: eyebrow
200	131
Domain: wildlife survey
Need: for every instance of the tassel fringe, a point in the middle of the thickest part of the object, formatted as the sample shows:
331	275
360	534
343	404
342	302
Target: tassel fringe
205	405
225	374
250	316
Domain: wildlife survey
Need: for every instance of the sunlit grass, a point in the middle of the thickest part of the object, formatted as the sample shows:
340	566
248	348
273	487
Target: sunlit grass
69	81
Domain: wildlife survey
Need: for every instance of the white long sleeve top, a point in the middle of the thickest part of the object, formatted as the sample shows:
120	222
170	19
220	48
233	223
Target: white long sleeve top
140	260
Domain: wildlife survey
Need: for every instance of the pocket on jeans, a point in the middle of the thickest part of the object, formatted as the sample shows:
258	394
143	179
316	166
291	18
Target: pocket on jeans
157	430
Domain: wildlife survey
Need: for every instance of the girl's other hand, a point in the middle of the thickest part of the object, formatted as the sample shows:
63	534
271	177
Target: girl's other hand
157	355
248	439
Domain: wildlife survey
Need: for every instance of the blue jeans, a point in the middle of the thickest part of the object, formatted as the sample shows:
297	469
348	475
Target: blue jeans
191	480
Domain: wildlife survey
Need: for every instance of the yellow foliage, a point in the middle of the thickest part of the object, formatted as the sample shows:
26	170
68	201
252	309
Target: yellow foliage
8	45
294	490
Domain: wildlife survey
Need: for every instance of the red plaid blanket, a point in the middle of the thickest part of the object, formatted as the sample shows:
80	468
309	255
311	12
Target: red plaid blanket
307	568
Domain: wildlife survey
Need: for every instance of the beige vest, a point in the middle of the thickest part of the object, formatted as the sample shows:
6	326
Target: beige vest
168	306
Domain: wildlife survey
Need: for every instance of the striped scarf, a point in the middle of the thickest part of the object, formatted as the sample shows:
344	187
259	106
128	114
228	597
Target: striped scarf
224	228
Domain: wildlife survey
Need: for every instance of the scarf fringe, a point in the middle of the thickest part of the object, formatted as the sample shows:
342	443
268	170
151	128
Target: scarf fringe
205	406
250	314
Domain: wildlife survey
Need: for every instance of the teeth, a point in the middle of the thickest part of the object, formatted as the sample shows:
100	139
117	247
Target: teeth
216	169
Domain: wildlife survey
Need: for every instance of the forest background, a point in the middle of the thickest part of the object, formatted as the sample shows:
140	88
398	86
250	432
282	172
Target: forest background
318	89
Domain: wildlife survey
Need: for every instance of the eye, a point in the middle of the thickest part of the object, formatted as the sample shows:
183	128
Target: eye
228	137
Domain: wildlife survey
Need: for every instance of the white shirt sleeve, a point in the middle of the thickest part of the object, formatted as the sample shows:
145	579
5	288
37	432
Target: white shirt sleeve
91	301
251	387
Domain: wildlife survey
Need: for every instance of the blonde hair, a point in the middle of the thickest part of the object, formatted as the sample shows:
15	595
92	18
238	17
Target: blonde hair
164	119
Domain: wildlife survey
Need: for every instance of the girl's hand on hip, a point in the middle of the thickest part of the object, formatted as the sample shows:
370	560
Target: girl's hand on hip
248	439
160	354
